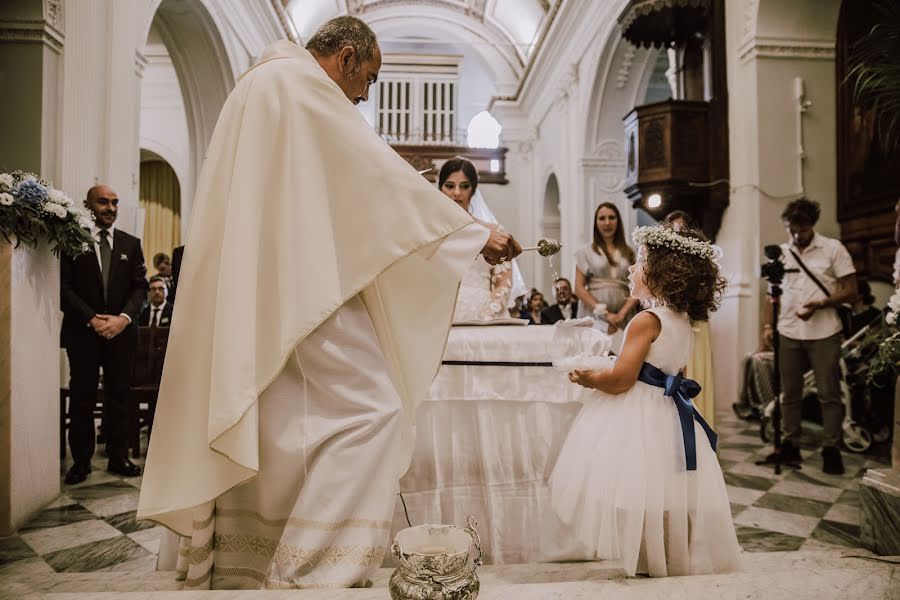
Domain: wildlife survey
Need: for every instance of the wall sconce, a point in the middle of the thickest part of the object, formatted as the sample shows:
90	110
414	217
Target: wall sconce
654	201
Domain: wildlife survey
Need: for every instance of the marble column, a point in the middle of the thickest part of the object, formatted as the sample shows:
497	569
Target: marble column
31	41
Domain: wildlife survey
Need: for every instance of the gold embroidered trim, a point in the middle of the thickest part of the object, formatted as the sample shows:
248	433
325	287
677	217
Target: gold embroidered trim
296	556
275	584
199	554
198	581
198	525
238	513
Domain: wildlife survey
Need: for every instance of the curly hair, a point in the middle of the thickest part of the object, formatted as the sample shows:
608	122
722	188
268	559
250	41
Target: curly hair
801	212
684	282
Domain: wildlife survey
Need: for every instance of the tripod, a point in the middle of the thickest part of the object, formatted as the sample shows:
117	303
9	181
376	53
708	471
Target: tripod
776	458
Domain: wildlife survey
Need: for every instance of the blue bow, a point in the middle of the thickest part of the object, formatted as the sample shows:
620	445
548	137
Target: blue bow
681	390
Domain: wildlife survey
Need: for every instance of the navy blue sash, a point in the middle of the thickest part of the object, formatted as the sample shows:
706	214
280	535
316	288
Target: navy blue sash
681	391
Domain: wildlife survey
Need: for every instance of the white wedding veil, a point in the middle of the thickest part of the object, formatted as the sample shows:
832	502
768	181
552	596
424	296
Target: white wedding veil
478	208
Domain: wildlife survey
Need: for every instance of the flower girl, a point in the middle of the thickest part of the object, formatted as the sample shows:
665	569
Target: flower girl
637	477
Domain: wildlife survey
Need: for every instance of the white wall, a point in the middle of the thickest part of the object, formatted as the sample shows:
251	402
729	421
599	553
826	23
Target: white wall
163	120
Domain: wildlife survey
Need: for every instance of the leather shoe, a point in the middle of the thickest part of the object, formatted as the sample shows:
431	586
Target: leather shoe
788	454
123	467
832	463
78	473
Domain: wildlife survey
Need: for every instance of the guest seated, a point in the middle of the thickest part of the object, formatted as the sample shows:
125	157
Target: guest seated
536	305
158	313
163	265
484	290
566	306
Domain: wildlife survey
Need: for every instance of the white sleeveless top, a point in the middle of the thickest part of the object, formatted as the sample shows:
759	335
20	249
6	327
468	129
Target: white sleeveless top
671	350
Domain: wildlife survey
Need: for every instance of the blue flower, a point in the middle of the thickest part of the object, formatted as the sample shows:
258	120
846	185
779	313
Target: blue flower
31	191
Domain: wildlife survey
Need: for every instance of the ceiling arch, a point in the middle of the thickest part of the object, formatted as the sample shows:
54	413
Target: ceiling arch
505	33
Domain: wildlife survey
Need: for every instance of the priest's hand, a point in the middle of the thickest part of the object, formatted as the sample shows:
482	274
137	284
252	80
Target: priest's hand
500	247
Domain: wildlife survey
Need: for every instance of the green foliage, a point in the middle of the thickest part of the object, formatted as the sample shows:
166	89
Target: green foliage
875	72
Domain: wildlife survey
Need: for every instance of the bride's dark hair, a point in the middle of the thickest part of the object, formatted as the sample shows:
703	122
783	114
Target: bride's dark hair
459	164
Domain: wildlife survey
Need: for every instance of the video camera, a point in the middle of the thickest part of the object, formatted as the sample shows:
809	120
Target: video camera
774	269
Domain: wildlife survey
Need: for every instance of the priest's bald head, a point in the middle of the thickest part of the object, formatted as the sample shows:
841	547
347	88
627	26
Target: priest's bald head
347	50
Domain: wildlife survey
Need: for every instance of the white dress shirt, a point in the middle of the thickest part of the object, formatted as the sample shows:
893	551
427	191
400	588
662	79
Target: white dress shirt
95	233
158	315
566	311
829	261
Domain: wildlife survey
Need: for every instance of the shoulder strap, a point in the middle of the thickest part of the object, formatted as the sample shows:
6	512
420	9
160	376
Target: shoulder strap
809	273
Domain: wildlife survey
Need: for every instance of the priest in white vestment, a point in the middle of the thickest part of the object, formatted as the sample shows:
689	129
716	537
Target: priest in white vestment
320	277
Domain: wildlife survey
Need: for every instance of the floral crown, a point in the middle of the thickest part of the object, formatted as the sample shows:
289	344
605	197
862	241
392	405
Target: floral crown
664	237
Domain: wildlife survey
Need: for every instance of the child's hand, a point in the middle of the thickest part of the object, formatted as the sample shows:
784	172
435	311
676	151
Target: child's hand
583	378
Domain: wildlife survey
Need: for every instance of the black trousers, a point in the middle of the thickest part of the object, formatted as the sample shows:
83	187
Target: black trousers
87	352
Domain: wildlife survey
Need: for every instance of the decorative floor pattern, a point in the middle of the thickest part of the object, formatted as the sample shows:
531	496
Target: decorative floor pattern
92	526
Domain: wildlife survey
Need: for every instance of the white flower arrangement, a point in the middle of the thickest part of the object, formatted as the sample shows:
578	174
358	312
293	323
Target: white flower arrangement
664	237
32	210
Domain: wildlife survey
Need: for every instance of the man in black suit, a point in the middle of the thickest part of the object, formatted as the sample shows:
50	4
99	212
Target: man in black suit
566	306
102	292
158	313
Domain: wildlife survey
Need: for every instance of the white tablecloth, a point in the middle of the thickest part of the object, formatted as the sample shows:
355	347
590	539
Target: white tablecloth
488	436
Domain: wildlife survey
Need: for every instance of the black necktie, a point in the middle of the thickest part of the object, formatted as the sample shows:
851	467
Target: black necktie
153	322
105	259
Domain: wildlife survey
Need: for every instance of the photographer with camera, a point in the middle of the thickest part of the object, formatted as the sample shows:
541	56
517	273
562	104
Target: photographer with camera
819	278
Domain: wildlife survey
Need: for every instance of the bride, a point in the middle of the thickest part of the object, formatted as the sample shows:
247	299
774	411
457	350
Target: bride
485	292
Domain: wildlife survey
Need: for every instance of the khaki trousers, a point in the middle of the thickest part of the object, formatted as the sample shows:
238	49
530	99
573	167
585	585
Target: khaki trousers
795	357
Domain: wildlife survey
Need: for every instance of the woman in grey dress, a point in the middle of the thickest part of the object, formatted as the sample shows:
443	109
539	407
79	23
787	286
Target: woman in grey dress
601	272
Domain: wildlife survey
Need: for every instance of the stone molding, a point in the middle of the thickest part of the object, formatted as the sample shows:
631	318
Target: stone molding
31	31
788	48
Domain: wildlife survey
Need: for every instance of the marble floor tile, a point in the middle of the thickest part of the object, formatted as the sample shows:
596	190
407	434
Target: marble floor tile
733	455
850	496
743	496
56	517
13	549
748	441
753	539
44	541
816	477
842	534
843	513
126	522
113	505
819	547
774	520
801	489
104	489
749	467
724	465
27	566
99	555
134	481
736	509
148	538
96	477
793	504
145	564
61	500
748	481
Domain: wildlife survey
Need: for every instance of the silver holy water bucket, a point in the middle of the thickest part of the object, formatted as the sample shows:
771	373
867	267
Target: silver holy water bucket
435	562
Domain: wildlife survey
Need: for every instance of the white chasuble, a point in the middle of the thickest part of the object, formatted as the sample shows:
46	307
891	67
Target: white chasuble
304	219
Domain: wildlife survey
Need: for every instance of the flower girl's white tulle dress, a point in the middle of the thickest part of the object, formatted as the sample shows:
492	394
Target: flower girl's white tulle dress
621	480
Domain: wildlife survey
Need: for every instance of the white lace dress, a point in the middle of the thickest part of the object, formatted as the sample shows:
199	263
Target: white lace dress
620	479
483	292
